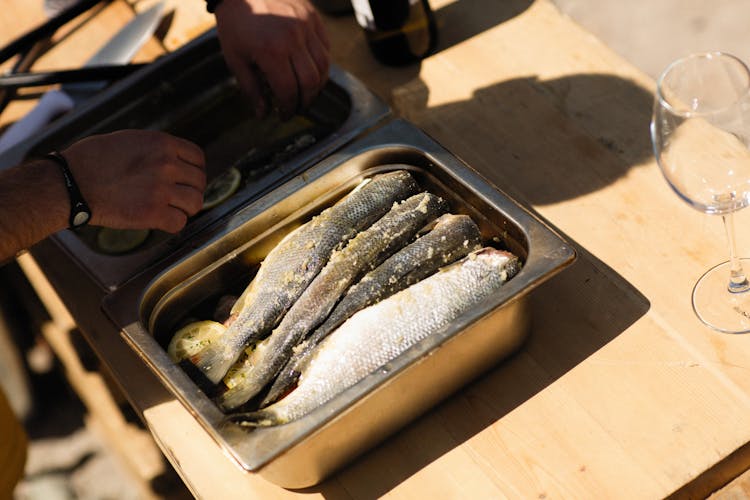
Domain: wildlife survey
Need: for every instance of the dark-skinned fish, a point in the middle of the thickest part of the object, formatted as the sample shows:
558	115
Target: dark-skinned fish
361	254
381	332
295	261
450	238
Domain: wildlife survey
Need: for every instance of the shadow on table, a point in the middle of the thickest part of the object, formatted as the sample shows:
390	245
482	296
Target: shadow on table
573	315
463	19
457	22
521	133
595	128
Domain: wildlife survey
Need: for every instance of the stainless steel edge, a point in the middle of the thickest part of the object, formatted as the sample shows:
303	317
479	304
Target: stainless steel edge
291	454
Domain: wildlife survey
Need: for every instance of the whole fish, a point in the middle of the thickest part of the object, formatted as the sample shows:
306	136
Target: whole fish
448	239
361	254
293	263
381	332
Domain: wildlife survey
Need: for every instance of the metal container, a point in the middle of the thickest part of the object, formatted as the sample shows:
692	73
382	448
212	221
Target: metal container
303	452
191	93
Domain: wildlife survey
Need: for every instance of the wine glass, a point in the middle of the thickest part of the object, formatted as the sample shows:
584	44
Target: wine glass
701	134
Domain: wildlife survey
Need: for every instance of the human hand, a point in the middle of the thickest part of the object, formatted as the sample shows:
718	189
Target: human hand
139	179
279	43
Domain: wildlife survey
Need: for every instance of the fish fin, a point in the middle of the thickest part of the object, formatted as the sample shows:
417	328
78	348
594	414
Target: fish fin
233	398
197	376
231	319
252	419
212	362
281	387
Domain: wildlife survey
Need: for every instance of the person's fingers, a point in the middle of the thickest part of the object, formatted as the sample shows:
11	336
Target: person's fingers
190	175
249	83
186	198
315	45
321	56
190	152
320	30
165	170
308	78
283	81
138	178
172	220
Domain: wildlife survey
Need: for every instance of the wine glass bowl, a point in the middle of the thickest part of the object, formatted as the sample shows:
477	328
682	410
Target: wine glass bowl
701	133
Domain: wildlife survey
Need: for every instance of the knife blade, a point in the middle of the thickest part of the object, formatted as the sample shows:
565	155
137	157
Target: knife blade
119	49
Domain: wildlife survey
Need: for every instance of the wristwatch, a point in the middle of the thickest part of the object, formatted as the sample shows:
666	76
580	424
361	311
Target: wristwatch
80	213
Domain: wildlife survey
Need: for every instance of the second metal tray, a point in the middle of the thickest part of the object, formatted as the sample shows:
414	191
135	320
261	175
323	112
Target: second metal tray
191	93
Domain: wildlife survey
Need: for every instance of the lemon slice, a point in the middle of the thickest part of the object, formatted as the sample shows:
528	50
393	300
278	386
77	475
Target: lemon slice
193	338
115	241
293	126
221	188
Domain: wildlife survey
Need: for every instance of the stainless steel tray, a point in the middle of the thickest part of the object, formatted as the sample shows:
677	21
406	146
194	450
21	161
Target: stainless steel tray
191	93
303	452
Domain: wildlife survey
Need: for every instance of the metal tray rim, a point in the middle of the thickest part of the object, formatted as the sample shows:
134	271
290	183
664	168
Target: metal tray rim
539	266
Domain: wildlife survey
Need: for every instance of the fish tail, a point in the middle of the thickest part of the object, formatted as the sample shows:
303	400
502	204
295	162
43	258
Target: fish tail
232	398
244	383
214	361
246	379
253	419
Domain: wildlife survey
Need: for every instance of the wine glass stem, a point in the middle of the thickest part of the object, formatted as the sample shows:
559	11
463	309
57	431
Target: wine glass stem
737	280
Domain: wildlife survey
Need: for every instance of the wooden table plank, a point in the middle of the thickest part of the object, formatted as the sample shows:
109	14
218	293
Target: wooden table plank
187	20
72	46
133	446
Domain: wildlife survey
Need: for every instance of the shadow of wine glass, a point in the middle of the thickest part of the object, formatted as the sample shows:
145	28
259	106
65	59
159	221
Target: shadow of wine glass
595	127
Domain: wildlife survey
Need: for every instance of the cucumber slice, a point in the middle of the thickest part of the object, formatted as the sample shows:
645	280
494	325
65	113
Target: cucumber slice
221	188
117	241
193	338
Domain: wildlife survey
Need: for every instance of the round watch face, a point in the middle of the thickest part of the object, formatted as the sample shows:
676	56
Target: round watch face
80	218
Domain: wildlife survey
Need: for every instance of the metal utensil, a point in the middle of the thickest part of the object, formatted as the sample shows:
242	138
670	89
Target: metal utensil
119	49
26	41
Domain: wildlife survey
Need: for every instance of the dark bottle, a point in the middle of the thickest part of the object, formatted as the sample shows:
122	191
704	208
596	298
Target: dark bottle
398	32
334	7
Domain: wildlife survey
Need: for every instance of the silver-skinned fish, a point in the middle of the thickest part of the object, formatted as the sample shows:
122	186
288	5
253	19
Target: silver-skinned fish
448	239
293	263
381	332
361	254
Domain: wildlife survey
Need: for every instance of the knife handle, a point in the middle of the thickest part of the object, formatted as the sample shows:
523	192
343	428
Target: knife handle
50	106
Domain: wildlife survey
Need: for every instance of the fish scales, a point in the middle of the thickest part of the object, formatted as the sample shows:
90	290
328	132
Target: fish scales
294	262
361	254
381	332
450	238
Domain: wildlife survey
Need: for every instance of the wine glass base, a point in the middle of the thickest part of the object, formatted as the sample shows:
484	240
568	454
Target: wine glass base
719	308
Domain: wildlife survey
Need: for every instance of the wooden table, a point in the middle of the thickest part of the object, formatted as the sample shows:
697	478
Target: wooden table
620	391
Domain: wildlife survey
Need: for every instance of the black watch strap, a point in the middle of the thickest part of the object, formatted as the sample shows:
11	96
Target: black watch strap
211	5
80	213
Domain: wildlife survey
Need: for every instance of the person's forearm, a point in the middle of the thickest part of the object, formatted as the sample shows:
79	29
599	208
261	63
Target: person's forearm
33	205
130	179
